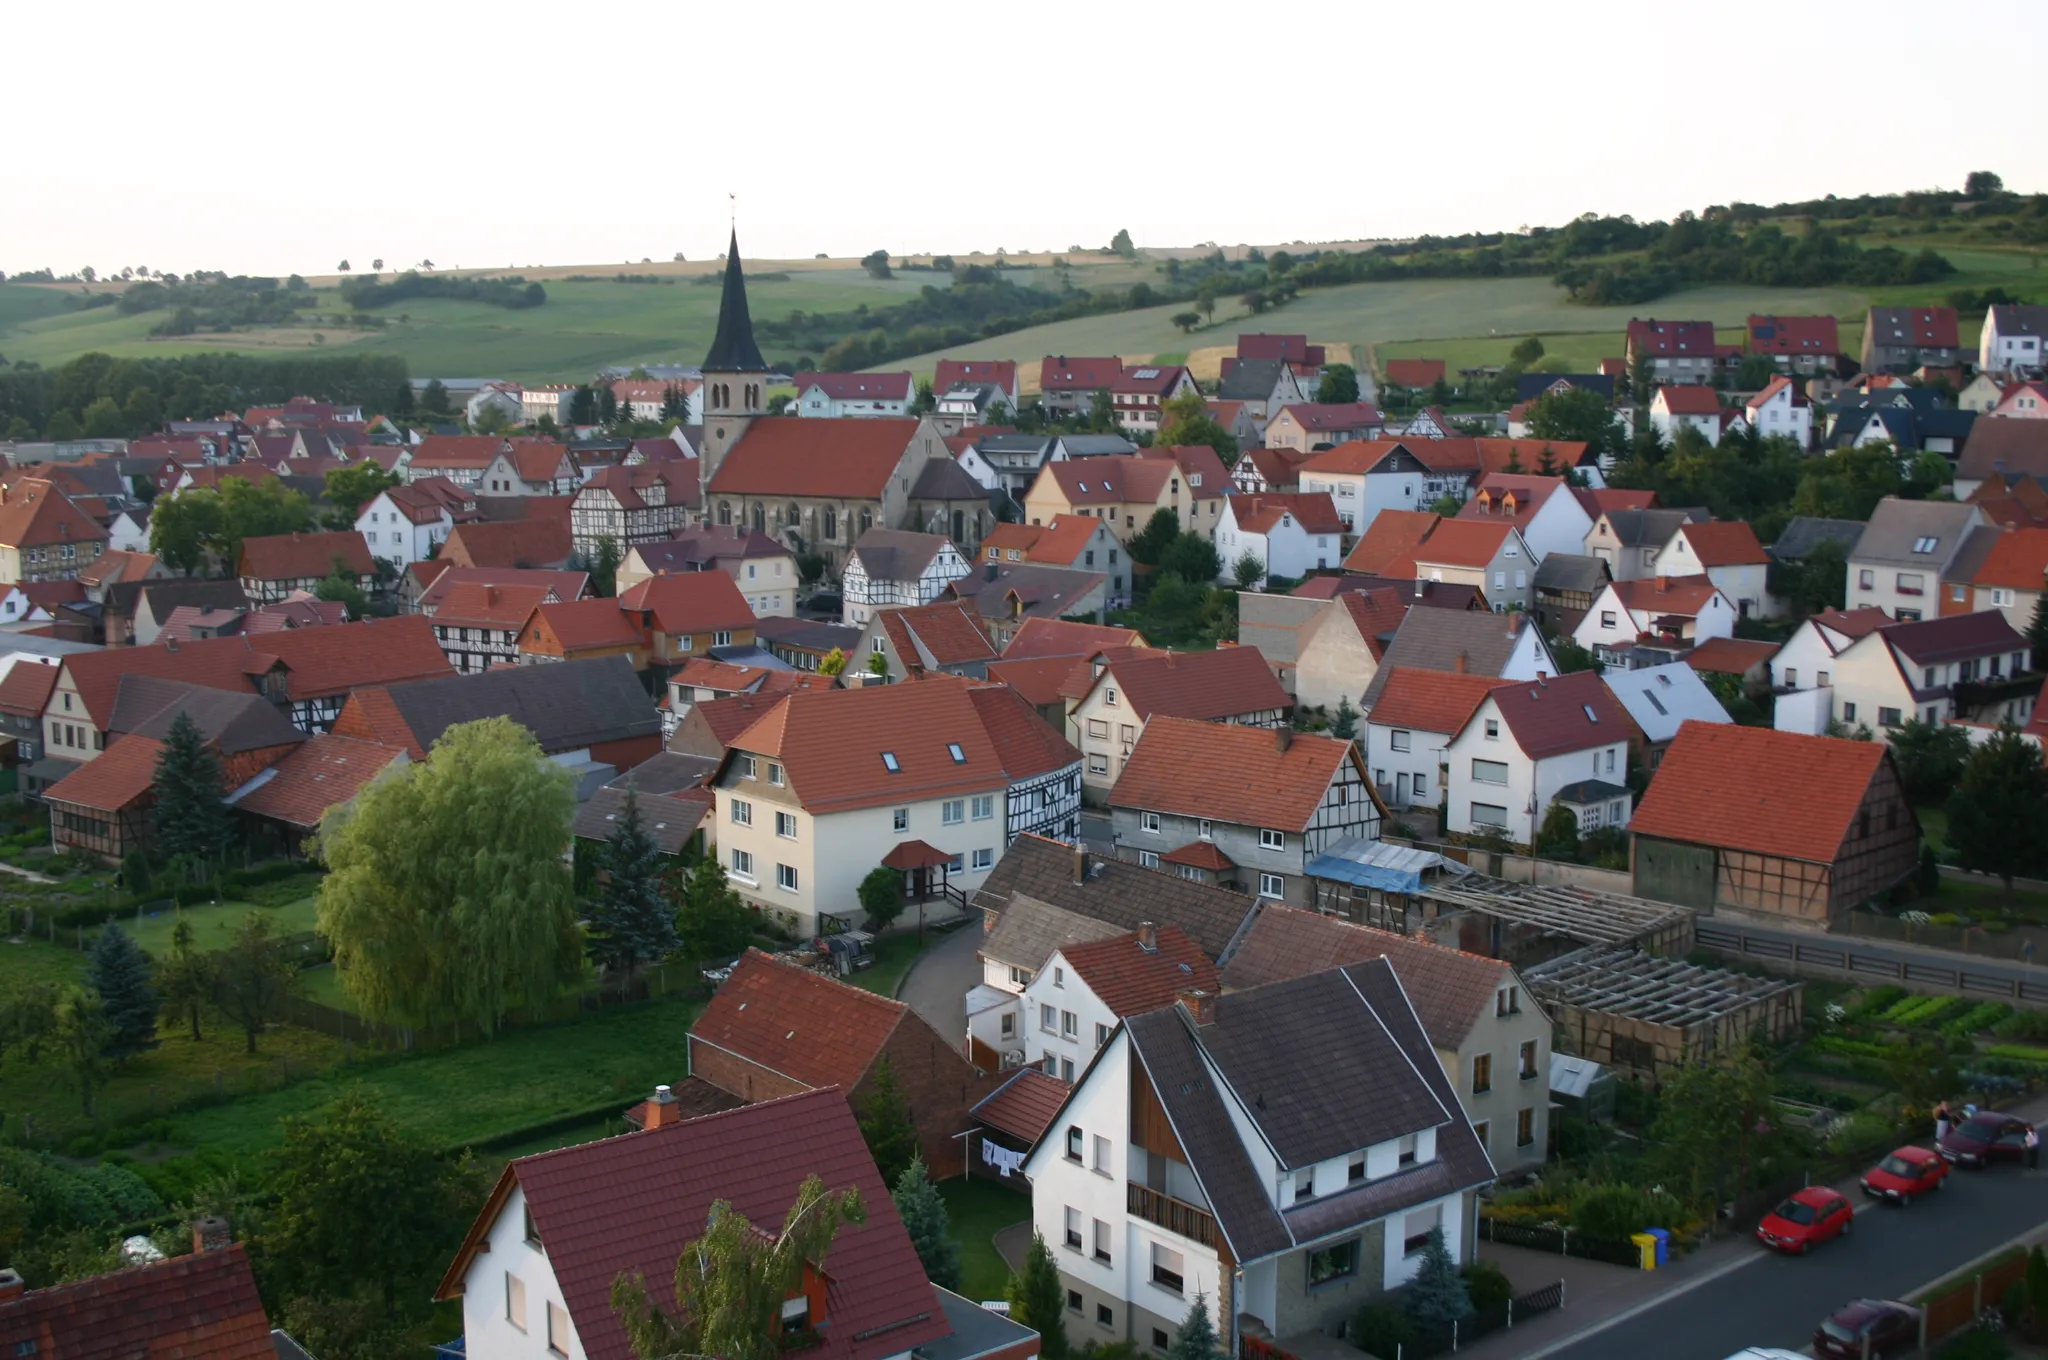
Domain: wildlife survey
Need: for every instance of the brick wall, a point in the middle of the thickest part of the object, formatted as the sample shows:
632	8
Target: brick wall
940	1087
739	1076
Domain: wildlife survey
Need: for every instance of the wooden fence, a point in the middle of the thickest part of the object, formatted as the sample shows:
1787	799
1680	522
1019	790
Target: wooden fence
1958	1306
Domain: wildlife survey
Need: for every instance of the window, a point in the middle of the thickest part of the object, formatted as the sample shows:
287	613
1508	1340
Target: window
1527	1066
515	1300
1009	1025
785	825
1076	1140
1098	764
558	1328
1489	772
1103	1316
1101	1034
775	774
1159	1339
1098	729
1507	1001
984	807
1149	822
1169	1268
742	812
785	877
1417	1227
875	644
1925	545
743	864
1911	583
1148	859
1525	1127
1074	1228
1479	1131
1272	840
959	756
1102	1246
1336	1262
1489	814
1792	676
890	763
899	819
985	858
1109	696
1049	1021
1887	717
533	1232
1272	885
1070	1025
1482	1074
1067	1070
746	764
1073	1295
1400	740
952	812
796	1315
1848	711
1493	729
1101	1162
1304	1185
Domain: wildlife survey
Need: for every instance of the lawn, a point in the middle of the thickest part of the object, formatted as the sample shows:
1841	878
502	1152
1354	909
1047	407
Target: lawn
26	961
214	926
893	956
979	1209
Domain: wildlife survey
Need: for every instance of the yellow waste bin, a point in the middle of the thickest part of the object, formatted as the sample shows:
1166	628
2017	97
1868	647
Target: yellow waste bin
1646	1243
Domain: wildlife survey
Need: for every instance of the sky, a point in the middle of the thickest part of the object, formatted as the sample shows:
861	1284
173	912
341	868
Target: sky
267	138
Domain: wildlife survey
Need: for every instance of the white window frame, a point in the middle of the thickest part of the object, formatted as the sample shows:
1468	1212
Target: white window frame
1273	886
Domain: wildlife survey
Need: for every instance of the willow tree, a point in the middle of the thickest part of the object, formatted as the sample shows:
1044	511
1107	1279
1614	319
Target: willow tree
449	896
731	1282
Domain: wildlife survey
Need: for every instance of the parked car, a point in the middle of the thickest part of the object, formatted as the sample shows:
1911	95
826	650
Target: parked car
1983	1138
1890	1329
1804	1221
1766	1353
1905	1175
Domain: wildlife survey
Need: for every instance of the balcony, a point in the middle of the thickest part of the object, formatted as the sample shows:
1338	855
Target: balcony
1174	1215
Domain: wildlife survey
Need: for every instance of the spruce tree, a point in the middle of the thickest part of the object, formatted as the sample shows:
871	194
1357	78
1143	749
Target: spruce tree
1345	723
631	922
885	1123
119	973
1437	1296
1998	815
930	1228
1195	1338
191	817
1037	1298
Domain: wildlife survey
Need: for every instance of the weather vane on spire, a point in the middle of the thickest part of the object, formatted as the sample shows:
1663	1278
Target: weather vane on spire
732	210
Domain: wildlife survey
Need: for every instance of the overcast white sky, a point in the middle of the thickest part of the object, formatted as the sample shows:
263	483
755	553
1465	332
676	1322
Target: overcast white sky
274	138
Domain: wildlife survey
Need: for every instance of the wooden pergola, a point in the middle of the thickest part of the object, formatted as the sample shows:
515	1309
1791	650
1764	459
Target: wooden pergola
1589	915
1646	1014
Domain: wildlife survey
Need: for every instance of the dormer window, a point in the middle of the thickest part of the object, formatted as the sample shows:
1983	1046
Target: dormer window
1925	545
1408	1149
1304	1185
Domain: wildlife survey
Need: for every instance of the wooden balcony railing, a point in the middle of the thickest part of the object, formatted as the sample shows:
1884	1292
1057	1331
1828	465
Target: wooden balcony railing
1174	1215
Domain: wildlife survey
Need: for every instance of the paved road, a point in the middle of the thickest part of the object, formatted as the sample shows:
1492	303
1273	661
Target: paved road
1766	1300
936	985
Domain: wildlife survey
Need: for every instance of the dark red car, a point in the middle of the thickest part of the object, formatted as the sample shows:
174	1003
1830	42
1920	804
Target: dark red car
1804	1221
1890	1328
1985	1137
1905	1175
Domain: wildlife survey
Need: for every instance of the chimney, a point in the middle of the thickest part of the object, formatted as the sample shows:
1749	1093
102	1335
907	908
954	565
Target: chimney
991	572
661	1110
12	1286
1418	587
1458	665
1080	863
1283	737
1200	1006
1663	584
1148	937
210	1234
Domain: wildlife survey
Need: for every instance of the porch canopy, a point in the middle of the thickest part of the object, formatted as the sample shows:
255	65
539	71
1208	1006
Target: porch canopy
910	855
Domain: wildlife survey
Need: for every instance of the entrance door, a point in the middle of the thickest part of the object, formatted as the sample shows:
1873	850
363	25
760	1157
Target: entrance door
1401	790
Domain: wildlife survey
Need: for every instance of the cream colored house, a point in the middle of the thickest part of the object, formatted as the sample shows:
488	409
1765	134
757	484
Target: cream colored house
1229	685
1956	666
1124	492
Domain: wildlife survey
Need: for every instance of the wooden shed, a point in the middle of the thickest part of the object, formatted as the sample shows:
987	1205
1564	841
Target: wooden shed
1776	823
1647	1015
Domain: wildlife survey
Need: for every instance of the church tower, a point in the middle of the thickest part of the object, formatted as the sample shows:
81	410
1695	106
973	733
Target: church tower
735	375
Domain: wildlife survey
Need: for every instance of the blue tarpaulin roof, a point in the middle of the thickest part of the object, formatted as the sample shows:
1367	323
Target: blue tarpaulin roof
1376	864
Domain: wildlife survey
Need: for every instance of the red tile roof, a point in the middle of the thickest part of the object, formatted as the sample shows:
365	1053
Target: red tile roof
857	386
27	687
1683	596
1059	373
1718	785
1026	746
566	585
1690	400
202	1306
34	513
1275	466
1813	335
458	450
1229	773
691	602
1671	339
1111	481
1261	512
1495	455
1131	980
1599	500
1294	348
789	456
1041	680
1414	372
1730	656
1023	1106
1200	855
806	1026
116	778
1465	542
2017	561
321	773
629	1205
477	605
728	718
580	625
949	632
1854	623
1771	389
1929	327
1389	543
1148	378
1059	637
334	660
540	460
1431	701
1198	463
1724	543
1551	717
950	373
1207	685
520	543
1375	613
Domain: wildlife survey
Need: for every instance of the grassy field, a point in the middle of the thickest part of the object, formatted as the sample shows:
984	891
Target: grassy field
980	1209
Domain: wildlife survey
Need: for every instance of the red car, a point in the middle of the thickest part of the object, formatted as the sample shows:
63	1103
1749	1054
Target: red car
1985	1137
1907	1174
1887	1328
1810	1217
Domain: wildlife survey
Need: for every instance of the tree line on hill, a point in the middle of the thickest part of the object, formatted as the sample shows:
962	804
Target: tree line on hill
98	396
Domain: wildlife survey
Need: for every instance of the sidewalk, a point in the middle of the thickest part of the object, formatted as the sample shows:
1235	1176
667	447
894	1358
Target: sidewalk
1596	1293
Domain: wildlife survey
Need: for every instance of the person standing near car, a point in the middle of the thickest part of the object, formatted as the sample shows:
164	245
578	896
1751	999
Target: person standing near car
1943	1119
2033	1148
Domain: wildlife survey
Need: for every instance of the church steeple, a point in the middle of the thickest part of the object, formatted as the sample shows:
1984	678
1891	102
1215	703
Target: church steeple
732	348
735	388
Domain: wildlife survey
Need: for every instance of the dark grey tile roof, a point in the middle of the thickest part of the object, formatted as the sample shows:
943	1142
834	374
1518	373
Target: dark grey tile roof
667	772
945	480
565	704
1650	528
1096	445
1434	639
1028	932
1118	893
896	554
1571	571
1977	545
1044	591
1583	792
1250	380
668	821
161	597
1896	525
1803	533
147	705
808	634
1456	1144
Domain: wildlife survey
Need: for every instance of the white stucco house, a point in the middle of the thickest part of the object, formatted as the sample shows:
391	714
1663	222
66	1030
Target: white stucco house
1696	408
1665	611
1528	745
1727	553
1781	411
1289	535
837	396
896	567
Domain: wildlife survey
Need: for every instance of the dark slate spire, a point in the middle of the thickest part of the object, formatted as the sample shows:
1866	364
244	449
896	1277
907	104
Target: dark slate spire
733	349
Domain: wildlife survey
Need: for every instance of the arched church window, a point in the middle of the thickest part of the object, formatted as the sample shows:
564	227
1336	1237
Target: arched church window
959	526
725	512
760	518
867	520
831	524
796	516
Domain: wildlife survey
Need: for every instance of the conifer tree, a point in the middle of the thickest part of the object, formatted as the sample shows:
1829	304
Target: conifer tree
1437	1296
191	817
1998	815
885	1124
1037	1297
930	1228
713	921
119	973
1345	722
1195	1338
631	922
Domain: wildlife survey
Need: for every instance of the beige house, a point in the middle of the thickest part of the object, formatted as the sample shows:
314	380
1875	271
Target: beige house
43	536
1125	492
1130	685
1958	666
1487	554
1309	426
1905	552
1631	541
765	571
1339	651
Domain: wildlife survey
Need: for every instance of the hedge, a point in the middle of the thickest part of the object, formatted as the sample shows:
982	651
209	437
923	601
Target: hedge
564	1123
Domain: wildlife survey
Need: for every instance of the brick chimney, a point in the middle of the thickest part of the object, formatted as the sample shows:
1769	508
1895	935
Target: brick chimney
660	1109
1663	585
210	1234
1458	664
1283	737
1080	863
1148	937
1200	1006
12	1286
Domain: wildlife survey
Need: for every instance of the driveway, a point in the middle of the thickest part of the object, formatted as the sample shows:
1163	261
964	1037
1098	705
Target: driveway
936	985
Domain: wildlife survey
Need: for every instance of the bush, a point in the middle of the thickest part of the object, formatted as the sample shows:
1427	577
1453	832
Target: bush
1382	1330
1976	1345
2024	1025
1488	1285
1613	1213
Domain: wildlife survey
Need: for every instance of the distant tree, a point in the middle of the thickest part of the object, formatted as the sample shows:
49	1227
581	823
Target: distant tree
1120	244
1186	321
192	816
28	1020
1447	506
493	419
730	1283
1338	385
925	401
377	263
1756	372
118	973
1150	543
1440	393
881	896
832	663
711	920
1930	757
1256	300
884	1117
583	406
1642	376
1998	815
2037	631
434	399
1821	580
1195	1338
1194	557
351	488
1558	836
1437	1295
344	267
1248	570
340	586
876	262
1344	723
1101	414
1037	1299
1570	656
404	402
63	425
1982	184
878	664
81	1032
1527	351
186	978
1709	1125
604	567
931	1230
103	420
255	974
631	922
1185	420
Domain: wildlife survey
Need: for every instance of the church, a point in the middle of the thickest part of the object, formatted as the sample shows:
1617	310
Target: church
817	485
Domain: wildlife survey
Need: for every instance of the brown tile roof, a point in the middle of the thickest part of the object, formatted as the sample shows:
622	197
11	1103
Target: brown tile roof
727	718
1494	455
1261	512
1715	787
1024	1106
1414	372
594	1208
1725	543
725	677
690	602
1025	745
116	778
477	605
2018	560
1198	463
1928	327
791	456
1431	701
27	687
582	624
1388	546
1690	400
1953	637
1684	596
34	513
1730	656
335	660
530	542
1130	979
873	386
1813	335
1274	465
800	1023
458	450
1200	855
223	663
1449	988
950	373
1229	773
949	632
1063	374
203	1306
1110	481
1058	637
1116	892
1666	339
1294	348
1464	542
1598	500
1148	378
1562	714
539	460
1220	684
1063	541
1854	623
322	773
630	486
1040	680
567	585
